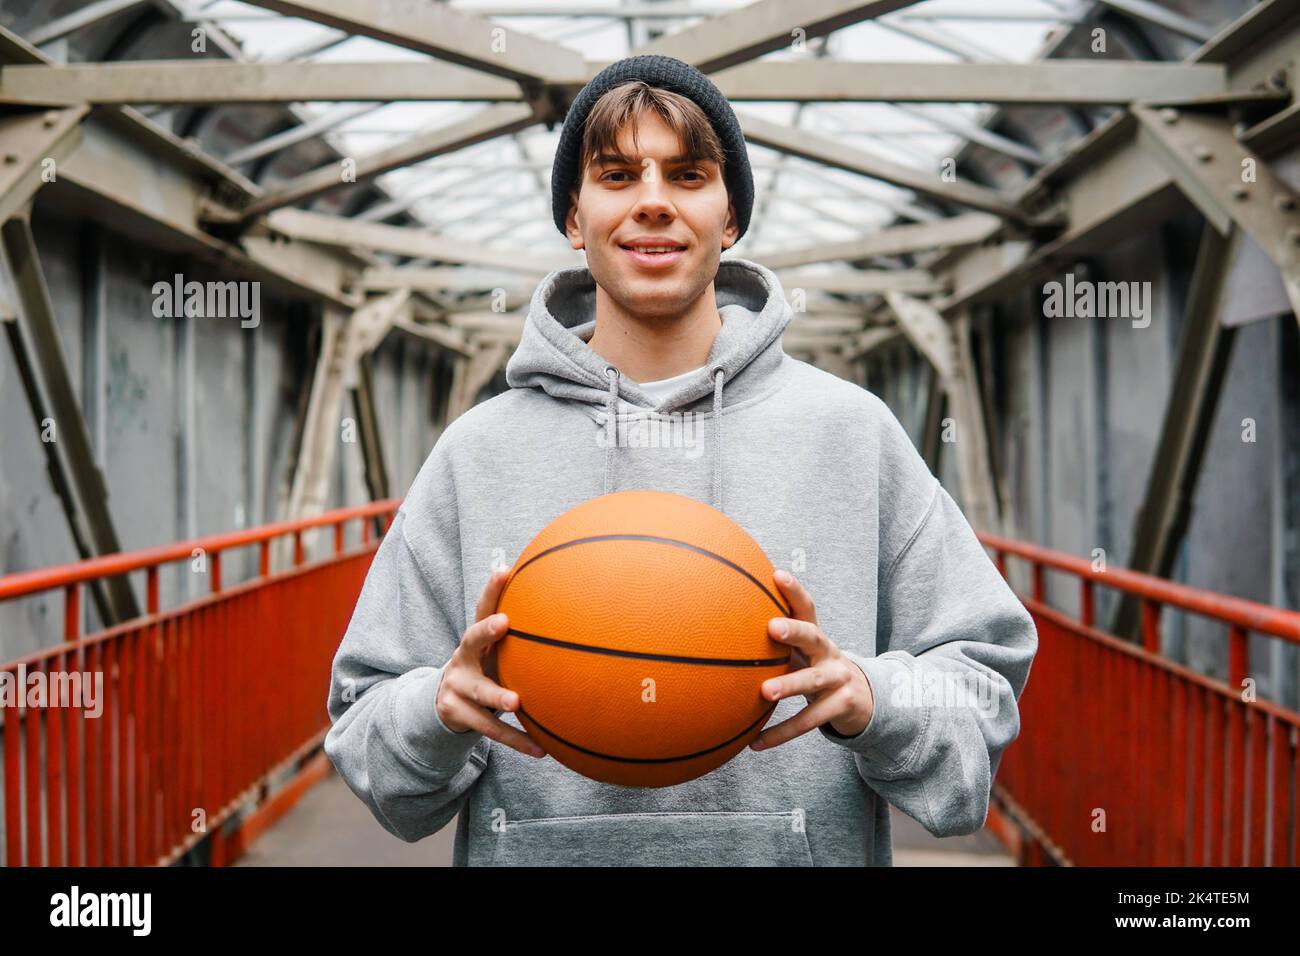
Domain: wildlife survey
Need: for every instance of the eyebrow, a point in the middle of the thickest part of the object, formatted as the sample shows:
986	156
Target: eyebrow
608	159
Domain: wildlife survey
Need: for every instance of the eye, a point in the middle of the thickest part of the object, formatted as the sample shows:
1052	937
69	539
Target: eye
699	174
613	172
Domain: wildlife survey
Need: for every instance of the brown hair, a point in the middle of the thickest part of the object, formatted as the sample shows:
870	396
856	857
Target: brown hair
626	102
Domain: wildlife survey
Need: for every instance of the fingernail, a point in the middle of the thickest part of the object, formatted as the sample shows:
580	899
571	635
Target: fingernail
783	577
782	629
539	752
498	621
757	745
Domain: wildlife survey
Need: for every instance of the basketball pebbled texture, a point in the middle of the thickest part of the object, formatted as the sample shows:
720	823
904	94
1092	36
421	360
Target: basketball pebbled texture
632	595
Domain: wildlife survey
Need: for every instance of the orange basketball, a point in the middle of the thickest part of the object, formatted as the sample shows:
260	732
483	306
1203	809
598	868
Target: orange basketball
637	638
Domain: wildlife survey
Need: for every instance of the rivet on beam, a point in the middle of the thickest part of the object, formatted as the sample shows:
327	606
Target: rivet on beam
1285	202
1240	191
1203	153
1169	115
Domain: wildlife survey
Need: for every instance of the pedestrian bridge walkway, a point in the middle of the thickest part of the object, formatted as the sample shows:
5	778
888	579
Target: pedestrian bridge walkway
1124	758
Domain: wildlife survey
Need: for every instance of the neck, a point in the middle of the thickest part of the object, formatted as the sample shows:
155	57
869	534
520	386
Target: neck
647	349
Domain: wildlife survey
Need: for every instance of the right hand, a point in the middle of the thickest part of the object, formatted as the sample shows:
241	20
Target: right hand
467	696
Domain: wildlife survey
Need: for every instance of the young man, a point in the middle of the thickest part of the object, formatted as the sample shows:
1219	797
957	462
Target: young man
915	650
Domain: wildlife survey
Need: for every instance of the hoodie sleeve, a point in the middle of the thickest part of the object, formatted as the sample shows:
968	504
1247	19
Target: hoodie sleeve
387	740
954	648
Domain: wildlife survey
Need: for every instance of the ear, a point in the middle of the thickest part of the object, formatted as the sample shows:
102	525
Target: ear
731	231
571	228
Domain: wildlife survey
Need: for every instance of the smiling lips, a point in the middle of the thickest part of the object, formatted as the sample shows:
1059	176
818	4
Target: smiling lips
654	255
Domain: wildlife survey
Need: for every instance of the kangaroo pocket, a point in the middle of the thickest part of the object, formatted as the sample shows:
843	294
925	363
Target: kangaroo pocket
720	838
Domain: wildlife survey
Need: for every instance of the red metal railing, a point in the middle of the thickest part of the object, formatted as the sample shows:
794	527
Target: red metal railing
202	704
1124	757
1128	758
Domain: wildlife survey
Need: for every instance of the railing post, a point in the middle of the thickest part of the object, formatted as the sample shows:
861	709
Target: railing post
298	554
216	572
1001	560
338	537
264	558
1151	625
72	612
1087	602
1040	584
1238	655
151	589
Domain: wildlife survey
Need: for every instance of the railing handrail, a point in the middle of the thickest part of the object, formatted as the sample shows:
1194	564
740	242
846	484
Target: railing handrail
1261	618
25	583
1251	615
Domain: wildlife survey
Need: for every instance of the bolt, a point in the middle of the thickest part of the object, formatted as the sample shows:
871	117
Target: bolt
1203	153
1294	236
11	158
1169	115
1285	202
1240	192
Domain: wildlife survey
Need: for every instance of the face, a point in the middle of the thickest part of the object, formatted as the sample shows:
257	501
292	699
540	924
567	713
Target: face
652	195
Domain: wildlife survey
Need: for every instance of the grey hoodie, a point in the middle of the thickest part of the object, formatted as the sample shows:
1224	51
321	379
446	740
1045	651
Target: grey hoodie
823	477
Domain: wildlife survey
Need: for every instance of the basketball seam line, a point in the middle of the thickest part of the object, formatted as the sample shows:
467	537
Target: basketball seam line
645	655
660	540
596	753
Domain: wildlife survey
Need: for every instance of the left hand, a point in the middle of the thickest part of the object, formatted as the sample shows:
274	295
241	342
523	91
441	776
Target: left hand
836	689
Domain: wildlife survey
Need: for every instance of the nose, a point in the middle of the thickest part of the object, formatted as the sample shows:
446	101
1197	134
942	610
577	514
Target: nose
652	201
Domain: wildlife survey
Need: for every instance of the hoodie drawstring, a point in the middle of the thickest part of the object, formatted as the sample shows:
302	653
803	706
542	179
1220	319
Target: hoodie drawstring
611	407
611	426
718	374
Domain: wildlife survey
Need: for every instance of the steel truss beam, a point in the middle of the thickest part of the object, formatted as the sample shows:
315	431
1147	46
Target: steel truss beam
471	373
486	124
79	19
1045	83
948	350
896	240
208	82
443	33
74	472
1200	368
831	152
1048	83
758	28
405	241
1228	183
371	435
344	339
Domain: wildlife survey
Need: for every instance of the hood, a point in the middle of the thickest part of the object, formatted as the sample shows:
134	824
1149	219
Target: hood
553	353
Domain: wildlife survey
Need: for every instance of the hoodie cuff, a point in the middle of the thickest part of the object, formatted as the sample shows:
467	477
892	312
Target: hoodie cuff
890	738
420	730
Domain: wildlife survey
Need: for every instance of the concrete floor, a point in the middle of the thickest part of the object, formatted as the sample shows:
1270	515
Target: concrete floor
331	827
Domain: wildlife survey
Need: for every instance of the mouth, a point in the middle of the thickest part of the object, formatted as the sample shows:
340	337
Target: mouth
655	257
